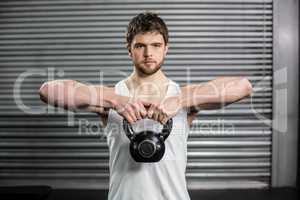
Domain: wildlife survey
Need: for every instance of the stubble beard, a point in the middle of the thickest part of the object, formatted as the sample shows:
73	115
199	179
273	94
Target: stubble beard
144	70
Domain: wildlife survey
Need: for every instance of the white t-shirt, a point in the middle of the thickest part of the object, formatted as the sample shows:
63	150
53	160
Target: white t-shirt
163	180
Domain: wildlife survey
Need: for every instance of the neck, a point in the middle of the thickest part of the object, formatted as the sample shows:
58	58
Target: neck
154	85
138	78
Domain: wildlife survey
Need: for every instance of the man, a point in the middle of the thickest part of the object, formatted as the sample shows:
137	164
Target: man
146	93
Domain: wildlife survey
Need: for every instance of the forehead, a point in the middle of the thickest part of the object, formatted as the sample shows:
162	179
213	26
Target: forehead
148	38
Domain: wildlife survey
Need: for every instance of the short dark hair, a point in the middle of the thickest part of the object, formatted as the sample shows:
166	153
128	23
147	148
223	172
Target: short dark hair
146	22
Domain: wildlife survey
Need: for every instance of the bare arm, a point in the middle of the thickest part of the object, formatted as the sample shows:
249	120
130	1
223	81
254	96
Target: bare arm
72	95
215	94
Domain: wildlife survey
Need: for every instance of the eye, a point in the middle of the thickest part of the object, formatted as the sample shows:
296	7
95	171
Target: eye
138	46
157	45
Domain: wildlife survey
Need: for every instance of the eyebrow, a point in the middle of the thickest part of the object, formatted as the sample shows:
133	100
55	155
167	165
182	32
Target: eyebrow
143	44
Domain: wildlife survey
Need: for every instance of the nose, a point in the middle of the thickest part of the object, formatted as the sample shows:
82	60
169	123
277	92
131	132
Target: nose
147	52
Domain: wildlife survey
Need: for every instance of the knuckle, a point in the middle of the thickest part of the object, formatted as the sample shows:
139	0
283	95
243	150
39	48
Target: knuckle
143	114
135	104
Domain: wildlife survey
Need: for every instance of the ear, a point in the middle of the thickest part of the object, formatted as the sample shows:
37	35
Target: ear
129	52
166	49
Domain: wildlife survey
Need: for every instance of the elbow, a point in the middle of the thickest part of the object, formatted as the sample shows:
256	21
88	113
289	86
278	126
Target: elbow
50	88
248	89
43	91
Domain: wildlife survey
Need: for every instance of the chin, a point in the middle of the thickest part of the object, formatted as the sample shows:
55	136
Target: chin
151	71
146	69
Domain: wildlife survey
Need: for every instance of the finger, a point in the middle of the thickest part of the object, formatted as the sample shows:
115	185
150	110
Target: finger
161	118
155	115
131	113
151	111
138	115
136	108
164	121
143	111
129	119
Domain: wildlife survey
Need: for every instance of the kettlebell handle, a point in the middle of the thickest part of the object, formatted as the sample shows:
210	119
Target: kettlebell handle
165	132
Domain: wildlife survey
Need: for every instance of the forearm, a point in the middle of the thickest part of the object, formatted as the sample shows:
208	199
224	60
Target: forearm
215	93
71	94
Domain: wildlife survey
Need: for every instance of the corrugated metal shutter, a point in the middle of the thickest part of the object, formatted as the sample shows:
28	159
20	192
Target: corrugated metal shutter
84	40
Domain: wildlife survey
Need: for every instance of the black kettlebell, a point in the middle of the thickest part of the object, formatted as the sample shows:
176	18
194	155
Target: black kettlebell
147	146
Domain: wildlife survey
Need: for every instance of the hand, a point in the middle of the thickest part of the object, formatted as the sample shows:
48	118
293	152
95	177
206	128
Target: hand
130	108
163	110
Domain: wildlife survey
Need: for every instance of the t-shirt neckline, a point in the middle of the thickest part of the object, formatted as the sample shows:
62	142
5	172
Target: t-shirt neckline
128	92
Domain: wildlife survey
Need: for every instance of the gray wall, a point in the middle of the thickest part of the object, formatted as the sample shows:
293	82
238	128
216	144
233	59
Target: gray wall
46	40
285	95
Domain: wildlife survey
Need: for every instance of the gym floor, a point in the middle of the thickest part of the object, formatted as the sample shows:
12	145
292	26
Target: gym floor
274	194
45	193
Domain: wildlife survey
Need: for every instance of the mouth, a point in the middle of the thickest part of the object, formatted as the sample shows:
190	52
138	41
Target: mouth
149	61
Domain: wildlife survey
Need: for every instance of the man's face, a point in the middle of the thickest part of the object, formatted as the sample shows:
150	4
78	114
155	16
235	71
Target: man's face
148	51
